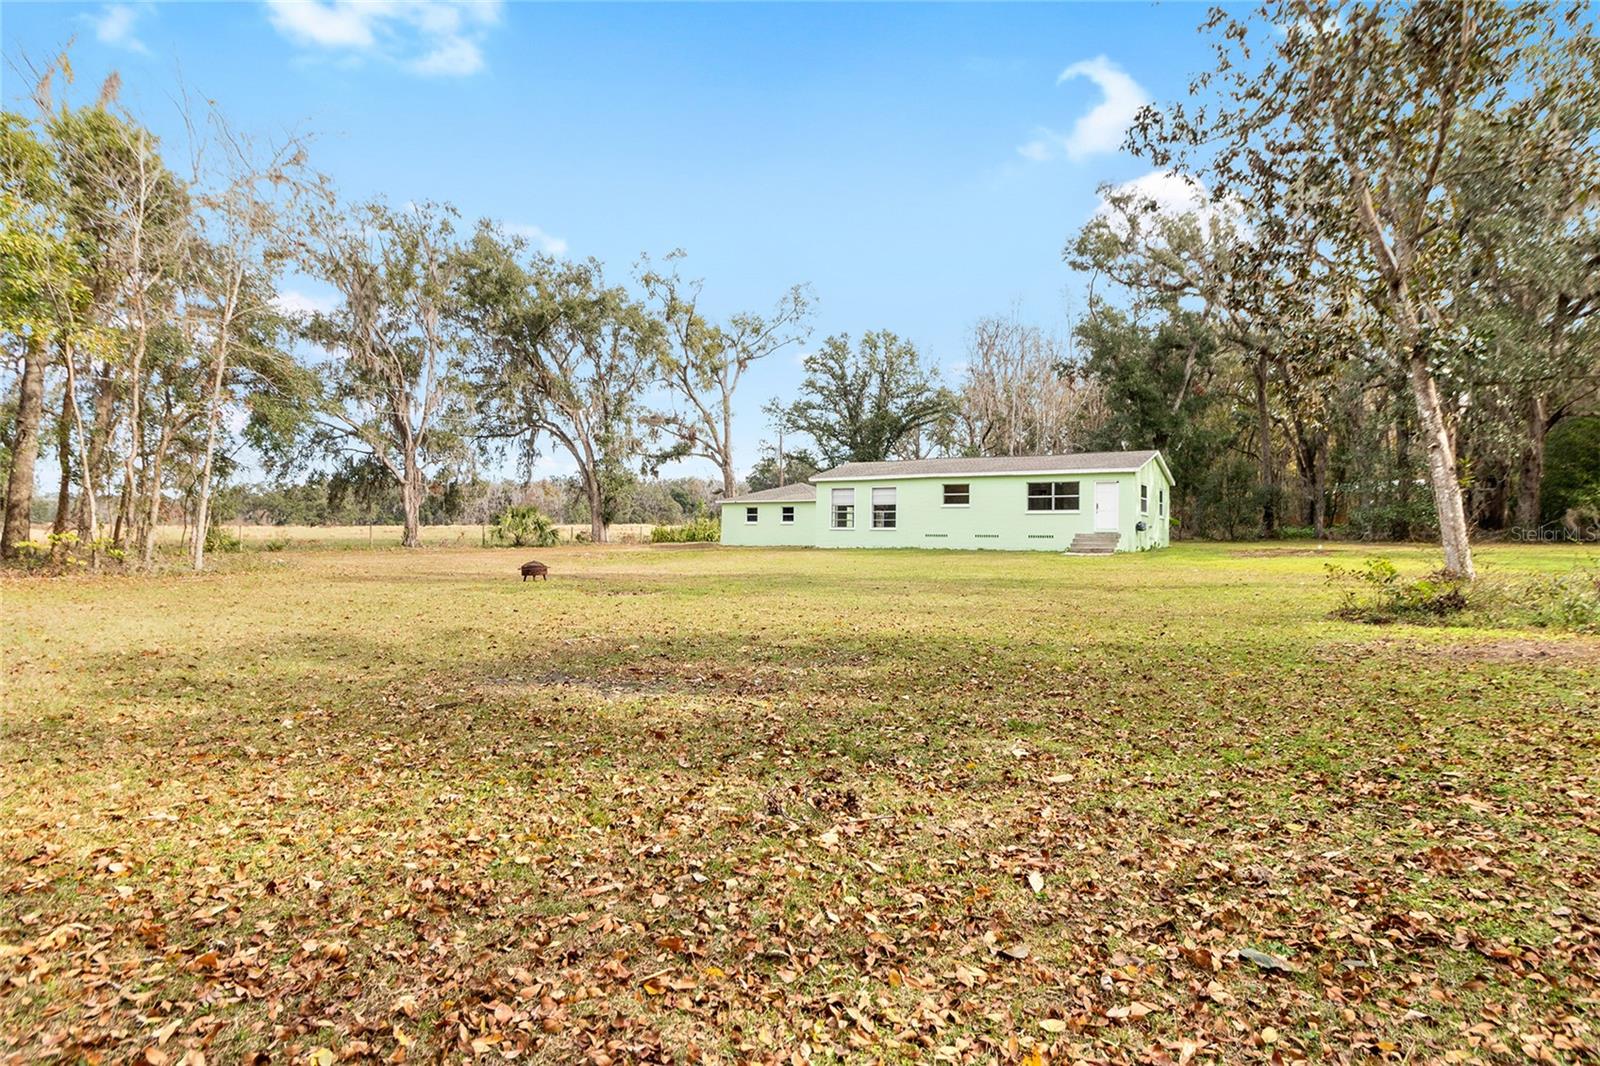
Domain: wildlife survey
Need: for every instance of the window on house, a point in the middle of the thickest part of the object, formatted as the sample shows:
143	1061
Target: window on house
957	495
1052	495
1161	502
883	509
787	516
844	508
751	514
1144	499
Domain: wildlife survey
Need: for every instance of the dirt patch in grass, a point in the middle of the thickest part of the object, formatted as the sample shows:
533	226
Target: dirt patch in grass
1263	553
1524	650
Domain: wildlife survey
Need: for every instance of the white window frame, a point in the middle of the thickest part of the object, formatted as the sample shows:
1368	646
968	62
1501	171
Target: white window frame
1028	497
751	515
887	499
1144	499
848	506
944	493
1161	501
786	516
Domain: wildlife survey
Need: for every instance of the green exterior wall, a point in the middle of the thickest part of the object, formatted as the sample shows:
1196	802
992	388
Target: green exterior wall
997	517
768	530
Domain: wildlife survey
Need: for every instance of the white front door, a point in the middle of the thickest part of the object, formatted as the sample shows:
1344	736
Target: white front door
1107	501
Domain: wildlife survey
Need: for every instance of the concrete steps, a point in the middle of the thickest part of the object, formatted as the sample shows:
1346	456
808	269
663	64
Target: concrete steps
1094	543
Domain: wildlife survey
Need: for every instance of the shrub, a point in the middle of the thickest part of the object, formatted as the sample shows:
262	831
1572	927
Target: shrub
218	539
1568	601
697	531
524	527
1376	592
276	544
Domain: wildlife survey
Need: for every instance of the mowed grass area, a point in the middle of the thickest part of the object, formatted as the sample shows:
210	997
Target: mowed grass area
723	805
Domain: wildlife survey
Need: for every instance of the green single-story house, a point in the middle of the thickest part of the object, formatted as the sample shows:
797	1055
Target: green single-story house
1094	502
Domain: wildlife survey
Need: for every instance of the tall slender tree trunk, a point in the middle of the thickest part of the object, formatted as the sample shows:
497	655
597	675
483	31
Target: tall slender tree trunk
1531	471
202	507
1269	480
152	505
1400	528
1319	485
92	448
24	448
1447	499
64	457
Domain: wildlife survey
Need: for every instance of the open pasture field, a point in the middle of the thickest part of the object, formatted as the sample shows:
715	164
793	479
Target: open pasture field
702	804
379	536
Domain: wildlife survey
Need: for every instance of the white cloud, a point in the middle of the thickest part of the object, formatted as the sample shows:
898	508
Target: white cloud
431	37
534	235
1165	192
1100	130
295	302
114	26
1172	193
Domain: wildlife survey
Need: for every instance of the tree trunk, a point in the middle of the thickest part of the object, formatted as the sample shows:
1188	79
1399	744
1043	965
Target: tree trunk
92	449
152	506
1269	487
202	508
24	448
1319	485
1532	468
1442	477
411	500
730	480
64	457
597	521
1400	529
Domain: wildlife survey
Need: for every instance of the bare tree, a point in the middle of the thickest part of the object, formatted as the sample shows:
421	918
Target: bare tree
1019	394
250	231
703	361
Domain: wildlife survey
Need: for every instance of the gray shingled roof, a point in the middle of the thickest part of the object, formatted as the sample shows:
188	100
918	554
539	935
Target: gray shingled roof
995	464
799	492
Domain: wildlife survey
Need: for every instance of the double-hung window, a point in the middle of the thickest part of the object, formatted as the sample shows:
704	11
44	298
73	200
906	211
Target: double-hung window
844	508
958	495
883	509
1144	499
751	514
1161	502
786	516
1052	495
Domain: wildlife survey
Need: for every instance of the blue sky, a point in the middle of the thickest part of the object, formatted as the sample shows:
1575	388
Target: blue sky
918	165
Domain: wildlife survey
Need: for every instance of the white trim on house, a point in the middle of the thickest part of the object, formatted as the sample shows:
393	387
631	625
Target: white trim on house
990	473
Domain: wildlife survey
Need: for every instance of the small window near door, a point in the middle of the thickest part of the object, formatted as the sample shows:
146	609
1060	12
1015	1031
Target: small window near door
883	509
1144	499
844	508
1052	495
958	495
787	517
751	514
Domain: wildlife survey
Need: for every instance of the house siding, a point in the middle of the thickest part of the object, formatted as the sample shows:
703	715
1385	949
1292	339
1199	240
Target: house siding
768	531
996	518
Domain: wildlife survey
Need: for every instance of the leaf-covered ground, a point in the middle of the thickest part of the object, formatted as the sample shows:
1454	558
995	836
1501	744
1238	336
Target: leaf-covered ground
711	805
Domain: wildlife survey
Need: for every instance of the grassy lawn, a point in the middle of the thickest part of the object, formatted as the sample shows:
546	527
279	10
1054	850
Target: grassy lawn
703	804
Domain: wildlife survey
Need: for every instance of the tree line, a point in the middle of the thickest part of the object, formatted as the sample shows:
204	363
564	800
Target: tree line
1357	294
